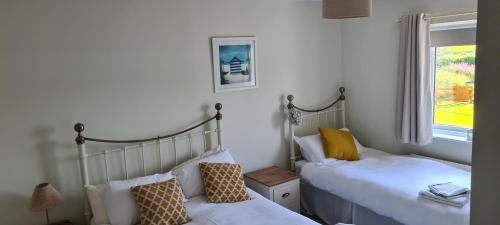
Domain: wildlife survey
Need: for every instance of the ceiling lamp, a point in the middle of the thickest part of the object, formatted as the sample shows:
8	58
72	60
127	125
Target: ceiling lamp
340	9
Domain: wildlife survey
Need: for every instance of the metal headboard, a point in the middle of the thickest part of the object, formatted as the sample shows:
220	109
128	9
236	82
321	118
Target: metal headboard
313	119
139	144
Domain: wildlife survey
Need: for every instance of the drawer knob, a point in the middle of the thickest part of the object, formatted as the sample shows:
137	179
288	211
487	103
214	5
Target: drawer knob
285	195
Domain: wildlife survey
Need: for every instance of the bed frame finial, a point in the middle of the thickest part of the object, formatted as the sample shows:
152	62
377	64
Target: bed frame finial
79	127
218	117
342	90
290	99
218	107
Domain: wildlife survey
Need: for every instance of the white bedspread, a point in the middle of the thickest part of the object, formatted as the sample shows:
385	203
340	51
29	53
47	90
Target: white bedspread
257	211
389	184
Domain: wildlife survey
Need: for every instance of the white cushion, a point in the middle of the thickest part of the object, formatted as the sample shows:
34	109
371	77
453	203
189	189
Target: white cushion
95	195
202	155
120	204
189	175
311	147
359	146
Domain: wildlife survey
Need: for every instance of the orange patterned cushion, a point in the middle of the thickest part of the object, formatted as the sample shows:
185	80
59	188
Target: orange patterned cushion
223	182
160	203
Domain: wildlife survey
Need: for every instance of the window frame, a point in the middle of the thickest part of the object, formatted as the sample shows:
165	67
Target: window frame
441	131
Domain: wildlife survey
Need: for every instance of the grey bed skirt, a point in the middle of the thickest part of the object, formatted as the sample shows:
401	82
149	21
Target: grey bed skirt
334	209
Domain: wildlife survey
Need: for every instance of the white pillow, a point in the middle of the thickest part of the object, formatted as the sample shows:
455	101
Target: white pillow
202	155
189	175
95	195
311	146
120	204
359	146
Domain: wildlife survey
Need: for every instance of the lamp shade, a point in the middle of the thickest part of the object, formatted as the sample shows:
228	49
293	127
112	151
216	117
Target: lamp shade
45	197
340	9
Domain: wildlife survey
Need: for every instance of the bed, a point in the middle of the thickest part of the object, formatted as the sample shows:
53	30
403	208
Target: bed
379	189
109	168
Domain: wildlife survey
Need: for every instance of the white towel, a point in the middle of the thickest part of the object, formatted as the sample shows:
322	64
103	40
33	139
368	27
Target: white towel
456	201
447	189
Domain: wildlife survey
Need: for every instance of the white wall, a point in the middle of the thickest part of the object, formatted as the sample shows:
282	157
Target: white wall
485	177
130	69
369	63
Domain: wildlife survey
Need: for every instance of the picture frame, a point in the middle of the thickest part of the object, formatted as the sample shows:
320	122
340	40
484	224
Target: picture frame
234	63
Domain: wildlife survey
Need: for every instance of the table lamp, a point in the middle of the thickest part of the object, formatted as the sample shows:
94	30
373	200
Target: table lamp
45	197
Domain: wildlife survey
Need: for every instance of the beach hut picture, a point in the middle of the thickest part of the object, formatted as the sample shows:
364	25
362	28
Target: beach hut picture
234	71
234	64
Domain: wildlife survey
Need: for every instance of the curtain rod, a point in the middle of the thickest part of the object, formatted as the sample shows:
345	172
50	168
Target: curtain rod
429	17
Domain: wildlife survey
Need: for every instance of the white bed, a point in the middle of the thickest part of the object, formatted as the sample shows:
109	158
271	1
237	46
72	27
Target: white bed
129	165
389	184
259	210
379	189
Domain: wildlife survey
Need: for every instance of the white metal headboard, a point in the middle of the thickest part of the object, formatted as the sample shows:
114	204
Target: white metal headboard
187	135
309	122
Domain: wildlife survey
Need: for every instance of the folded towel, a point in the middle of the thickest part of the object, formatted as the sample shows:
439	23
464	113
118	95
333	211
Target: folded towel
456	201
453	196
447	189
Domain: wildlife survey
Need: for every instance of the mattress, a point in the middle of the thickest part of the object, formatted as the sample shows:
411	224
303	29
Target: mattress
389	184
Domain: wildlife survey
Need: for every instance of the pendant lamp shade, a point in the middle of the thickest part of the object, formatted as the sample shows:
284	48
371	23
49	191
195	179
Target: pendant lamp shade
340	9
45	197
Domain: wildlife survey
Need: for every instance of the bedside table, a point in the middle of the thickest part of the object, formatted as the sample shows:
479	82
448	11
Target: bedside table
278	185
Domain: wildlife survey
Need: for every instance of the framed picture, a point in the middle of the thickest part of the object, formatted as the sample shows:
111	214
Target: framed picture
234	63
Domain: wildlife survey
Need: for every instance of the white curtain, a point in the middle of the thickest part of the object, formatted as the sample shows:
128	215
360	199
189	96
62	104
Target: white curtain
415	100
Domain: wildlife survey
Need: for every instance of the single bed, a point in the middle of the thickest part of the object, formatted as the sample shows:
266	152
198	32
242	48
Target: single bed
115	169
379	189
259	210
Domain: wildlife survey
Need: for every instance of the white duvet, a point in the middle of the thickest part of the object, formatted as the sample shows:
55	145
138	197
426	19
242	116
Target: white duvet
258	211
389	184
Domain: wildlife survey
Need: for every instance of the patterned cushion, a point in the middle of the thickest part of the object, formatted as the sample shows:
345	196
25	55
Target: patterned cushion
160	203
223	182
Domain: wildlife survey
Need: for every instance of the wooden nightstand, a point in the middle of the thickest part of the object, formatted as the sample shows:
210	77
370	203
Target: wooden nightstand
279	185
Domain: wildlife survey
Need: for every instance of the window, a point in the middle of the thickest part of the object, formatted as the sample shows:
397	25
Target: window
453	60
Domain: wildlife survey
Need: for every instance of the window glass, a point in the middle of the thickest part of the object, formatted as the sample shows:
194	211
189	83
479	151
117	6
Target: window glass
454	85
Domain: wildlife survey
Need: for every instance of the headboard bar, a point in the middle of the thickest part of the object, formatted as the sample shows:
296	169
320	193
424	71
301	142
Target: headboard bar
156	142
291	105
291	126
79	128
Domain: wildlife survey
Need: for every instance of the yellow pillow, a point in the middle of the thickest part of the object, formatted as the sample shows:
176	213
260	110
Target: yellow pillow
338	144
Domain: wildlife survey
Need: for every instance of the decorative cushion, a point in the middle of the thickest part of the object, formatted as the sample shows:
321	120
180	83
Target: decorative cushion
189	175
338	144
120	204
161	203
223	182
